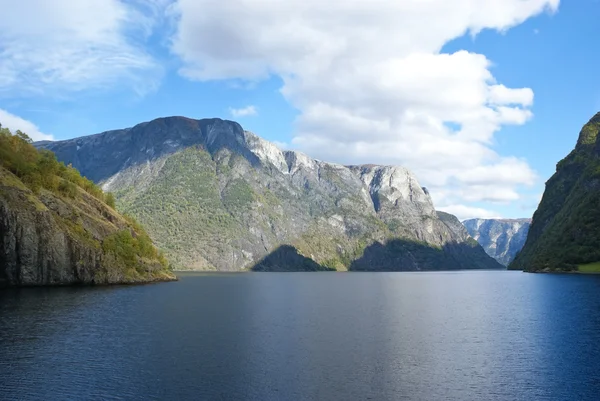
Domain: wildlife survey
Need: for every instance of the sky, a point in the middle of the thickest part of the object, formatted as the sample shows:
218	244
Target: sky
479	98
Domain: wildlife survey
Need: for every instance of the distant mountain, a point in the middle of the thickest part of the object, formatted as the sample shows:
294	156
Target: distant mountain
502	239
565	232
216	197
58	228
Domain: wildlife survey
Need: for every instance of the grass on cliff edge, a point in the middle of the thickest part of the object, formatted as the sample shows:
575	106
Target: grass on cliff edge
591	268
39	169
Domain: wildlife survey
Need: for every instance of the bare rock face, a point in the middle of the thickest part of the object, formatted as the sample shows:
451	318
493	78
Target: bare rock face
216	197
502	239
49	240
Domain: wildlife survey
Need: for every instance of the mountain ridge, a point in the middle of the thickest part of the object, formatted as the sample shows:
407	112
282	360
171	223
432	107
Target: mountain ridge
502	239
216	196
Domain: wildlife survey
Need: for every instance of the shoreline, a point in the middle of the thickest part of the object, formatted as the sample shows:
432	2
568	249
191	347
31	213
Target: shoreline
562	272
4	286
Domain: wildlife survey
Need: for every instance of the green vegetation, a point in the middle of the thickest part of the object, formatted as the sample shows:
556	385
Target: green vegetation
40	169
110	199
128	248
238	195
80	208
565	231
589	268
183	209
589	132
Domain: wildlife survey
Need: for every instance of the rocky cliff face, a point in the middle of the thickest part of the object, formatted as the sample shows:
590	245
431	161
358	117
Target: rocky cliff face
214	196
502	239
46	239
565	231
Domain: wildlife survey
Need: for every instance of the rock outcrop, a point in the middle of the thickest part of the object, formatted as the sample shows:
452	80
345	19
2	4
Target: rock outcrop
216	197
58	228
46	239
502	239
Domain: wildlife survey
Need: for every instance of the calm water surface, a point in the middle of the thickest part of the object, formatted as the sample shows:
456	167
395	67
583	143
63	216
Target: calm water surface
307	336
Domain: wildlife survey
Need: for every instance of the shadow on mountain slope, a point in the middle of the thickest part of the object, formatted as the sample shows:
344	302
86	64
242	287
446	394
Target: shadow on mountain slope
100	156
287	259
404	255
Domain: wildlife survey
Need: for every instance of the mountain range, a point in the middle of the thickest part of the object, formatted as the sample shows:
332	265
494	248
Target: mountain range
502	239
214	196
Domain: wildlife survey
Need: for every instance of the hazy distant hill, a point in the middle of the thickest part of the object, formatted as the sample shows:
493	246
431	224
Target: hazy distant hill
502	239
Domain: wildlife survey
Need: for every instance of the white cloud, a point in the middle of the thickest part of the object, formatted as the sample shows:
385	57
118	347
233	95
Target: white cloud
464	212
63	45
506	172
532	202
370	82
243	112
500	94
14	123
282	145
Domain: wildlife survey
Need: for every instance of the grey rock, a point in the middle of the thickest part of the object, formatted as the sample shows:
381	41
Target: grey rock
214	196
48	240
502	239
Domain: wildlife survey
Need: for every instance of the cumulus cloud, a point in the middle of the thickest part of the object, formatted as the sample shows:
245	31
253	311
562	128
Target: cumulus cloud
371	83
282	145
14	123
63	45
465	212
244	111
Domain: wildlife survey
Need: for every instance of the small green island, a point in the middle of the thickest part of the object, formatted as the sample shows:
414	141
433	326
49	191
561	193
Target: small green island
59	228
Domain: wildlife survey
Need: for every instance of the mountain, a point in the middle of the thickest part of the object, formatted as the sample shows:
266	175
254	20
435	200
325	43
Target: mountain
217	197
565	231
58	228
462	252
500	238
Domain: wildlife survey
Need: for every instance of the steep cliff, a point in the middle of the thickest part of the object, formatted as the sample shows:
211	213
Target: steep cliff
55	232
565	231
502	239
214	196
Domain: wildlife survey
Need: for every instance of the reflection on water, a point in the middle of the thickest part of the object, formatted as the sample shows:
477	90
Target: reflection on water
417	336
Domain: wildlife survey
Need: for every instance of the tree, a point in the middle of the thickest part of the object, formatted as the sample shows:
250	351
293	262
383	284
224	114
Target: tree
110	199
21	135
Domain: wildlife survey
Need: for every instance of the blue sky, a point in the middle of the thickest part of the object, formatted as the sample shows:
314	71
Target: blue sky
371	82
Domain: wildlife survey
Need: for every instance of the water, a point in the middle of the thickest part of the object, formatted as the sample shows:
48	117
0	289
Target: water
307	336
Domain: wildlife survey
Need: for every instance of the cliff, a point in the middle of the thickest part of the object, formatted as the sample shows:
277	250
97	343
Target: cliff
56	232
502	239
565	231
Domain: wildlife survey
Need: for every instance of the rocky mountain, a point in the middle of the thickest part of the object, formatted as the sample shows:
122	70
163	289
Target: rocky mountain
58	228
217	197
502	239
462	252
565	231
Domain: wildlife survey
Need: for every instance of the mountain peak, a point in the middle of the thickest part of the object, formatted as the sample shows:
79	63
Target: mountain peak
502	239
215	196
162	136
589	132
